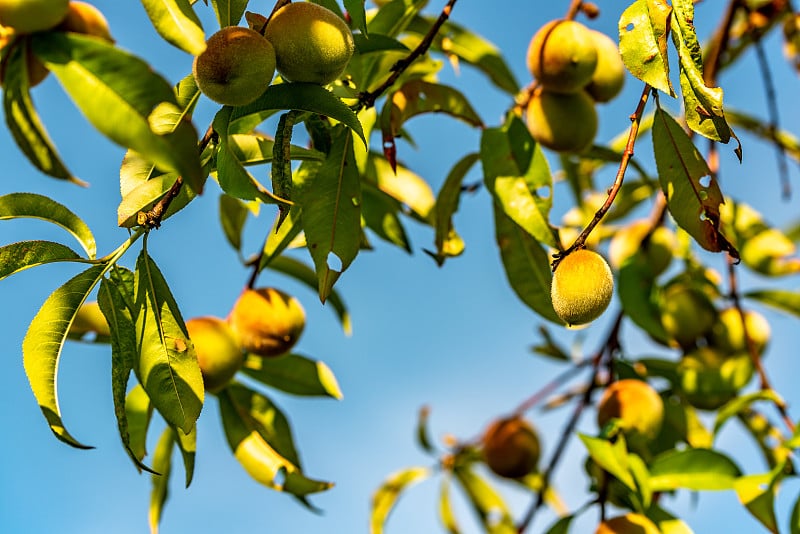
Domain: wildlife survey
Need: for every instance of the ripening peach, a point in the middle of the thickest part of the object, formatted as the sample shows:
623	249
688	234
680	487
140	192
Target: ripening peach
630	523
709	378
609	76
582	287
28	16
266	321
218	354
562	122
86	19
562	56
686	314
511	447
636	405
727	334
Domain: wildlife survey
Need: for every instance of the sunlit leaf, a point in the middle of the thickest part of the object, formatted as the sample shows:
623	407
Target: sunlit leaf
166	363
668	523
355	9
281	168
561	526
784	300
385	497
42	345
757	494
448	242
612	457
395	16
31	205
381	214
17	257
232	216
742	402
139	412
406	187
177	23
162	463
487	503
295	374
256	148
693	194
286	236
643	42
187	444
786	140
695	469
445	508
141	199
229	12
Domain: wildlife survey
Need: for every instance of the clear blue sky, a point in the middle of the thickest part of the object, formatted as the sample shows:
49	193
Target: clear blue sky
454	338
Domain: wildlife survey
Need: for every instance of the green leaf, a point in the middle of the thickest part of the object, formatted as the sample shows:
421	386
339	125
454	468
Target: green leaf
17	257
294	96
784	300
123	353
385	497
294	374
742	402
229	12
256	148
668	523
187	444
281	168
167	363
394	17
377	43
694	469
244	432
283	237
612	457
381	214
403	185
41	347
31	205
702	104
518	176
445	508
448	243
488	504
757	494
123	98
458	42
141	199
794	520
636	287
177	23
784	139
331	217
526	264
138	412
561	526
355	9
162	462
22	119
693	194
643	42
232	216
300	271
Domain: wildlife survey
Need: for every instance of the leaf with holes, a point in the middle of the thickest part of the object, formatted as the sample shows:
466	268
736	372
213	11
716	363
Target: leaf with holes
643	34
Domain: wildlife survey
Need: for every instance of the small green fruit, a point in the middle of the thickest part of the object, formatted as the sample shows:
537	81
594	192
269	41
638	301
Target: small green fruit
609	76
28	16
582	287
511	447
312	43
727	333
267	322
218	354
636	405
709	378
686	314
562	56
562	122
630	523
236	66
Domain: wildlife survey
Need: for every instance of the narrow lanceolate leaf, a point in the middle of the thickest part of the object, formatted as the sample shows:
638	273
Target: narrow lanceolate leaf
702	104
162	463
742	402
23	121
187	444
177	23
138	412
694	469
788	301
122	97
448	243
281	169
300	271
446	515
41	347
287	236
134	204
487	503
612	457
35	206
297	96
518	176
229	12
385	497
331	217
232	216
167	363
401	184
244	431
256	149
17	257
526	264
355	8
783	139
794	520
693	194
123	351
757	494
381	214
295	374
643	42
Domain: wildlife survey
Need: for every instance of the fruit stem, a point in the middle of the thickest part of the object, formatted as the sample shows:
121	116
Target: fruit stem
367	100
627	154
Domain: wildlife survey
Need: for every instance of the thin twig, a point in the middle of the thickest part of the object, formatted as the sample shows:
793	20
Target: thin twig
627	154
551	386
367	100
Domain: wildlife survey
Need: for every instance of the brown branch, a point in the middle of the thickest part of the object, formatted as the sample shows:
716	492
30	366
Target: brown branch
607	350
627	154
367	100
719	46
550	387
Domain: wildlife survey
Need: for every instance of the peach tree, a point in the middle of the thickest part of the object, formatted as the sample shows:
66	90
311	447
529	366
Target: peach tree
313	97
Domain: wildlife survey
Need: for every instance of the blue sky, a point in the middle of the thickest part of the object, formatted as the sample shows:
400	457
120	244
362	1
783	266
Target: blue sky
455	338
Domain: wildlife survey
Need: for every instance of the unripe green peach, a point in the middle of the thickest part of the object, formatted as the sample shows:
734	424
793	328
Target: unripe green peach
236	66
709	378
86	19
582	287
636	405
562	56
312	43
630	523
686	314
88	320
727	333
562	122
628	242
609	76
267	322
511	447
28	16
218	354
